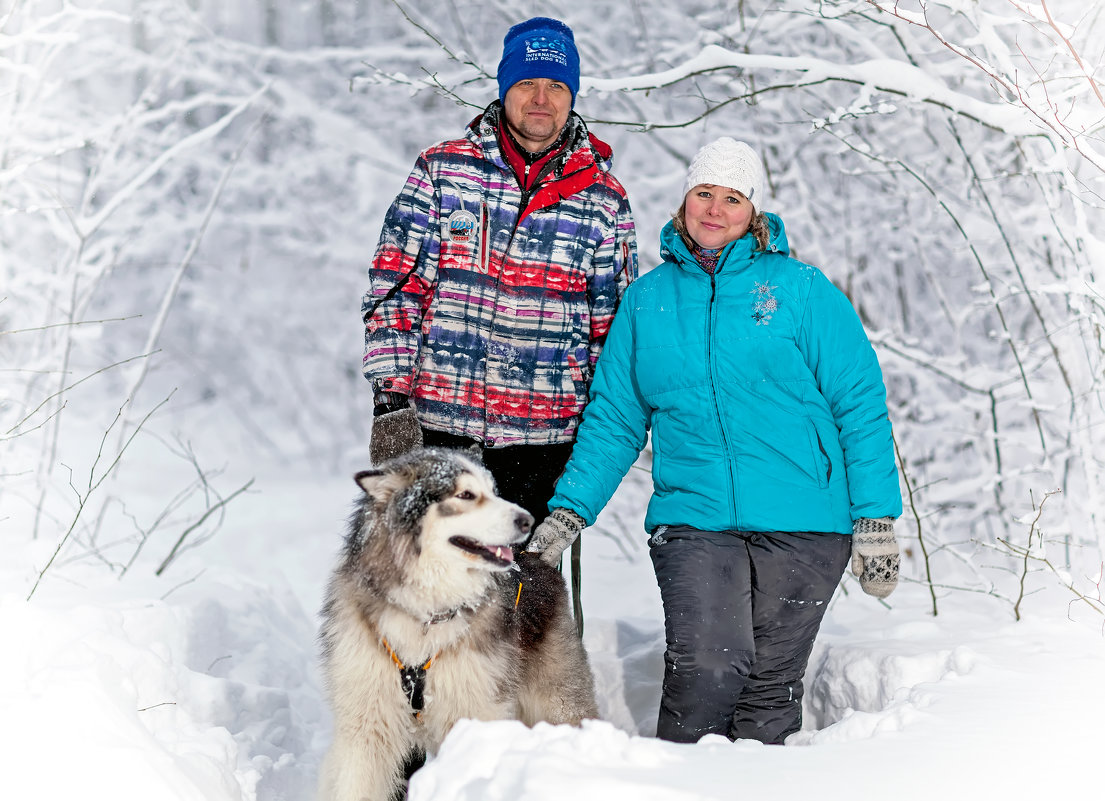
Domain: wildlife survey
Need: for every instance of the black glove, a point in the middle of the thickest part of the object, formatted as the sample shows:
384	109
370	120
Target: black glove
556	532
395	428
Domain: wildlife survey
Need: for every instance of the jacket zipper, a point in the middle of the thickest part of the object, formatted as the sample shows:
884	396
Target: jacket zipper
498	281
714	396
485	251
526	195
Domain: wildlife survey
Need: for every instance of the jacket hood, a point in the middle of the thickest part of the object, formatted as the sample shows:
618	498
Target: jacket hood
674	249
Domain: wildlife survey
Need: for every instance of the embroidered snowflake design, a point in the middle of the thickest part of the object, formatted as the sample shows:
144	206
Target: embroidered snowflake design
765	304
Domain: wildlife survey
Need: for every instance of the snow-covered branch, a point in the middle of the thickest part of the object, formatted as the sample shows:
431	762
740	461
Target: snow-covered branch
1043	90
885	75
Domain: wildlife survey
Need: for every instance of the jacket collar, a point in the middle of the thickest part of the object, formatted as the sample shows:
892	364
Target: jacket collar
584	161
733	256
581	146
528	166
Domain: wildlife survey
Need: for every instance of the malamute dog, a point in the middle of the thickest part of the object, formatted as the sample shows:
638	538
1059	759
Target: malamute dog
431	617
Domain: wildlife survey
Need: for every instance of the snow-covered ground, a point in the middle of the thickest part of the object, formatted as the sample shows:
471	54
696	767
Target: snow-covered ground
121	121
203	683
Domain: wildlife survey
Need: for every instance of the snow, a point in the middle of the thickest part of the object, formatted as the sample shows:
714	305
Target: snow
203	683
884	74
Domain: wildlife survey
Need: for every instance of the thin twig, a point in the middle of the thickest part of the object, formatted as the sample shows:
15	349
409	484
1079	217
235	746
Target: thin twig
184	535
155	706
62	391
68	324
1028	550
83	500
467	61
184	583
917	520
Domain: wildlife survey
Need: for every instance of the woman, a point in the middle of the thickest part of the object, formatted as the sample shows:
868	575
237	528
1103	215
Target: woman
772	453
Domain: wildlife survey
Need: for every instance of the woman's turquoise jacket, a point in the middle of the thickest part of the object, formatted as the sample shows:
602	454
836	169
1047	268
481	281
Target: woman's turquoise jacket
762	392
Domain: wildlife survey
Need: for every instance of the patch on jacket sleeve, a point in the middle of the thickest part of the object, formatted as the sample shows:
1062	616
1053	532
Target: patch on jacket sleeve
765	304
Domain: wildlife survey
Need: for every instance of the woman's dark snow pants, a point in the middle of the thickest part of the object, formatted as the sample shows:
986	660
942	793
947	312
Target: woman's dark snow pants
741	613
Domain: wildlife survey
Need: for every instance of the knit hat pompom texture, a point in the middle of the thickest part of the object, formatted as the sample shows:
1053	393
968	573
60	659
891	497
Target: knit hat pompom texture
727	162
539	48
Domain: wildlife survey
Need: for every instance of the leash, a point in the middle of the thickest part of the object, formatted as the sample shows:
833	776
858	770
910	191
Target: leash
577	585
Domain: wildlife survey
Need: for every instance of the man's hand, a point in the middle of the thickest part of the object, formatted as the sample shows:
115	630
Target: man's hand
395	428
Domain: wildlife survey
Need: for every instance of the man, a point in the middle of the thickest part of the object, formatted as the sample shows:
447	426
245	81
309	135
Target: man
496	278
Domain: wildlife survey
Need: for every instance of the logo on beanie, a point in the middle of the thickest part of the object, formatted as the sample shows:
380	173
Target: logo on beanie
544	49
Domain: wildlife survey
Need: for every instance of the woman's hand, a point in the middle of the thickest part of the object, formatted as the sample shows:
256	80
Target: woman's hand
555	534
876	557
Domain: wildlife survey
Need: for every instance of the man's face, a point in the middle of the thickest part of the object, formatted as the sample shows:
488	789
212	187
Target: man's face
536	111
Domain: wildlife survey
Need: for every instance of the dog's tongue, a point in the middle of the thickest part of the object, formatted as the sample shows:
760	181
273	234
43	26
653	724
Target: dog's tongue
504	552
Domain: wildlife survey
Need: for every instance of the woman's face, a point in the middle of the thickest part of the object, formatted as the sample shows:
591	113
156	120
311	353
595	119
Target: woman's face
716	215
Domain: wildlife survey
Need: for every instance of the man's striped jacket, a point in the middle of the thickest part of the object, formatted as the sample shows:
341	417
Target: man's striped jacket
489	304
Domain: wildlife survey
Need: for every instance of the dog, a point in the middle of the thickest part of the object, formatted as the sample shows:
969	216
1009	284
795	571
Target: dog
433	615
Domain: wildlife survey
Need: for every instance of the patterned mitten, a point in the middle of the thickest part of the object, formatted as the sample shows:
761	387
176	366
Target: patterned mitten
395	429
875	555
556	532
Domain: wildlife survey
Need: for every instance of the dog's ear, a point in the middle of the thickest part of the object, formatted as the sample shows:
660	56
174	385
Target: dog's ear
370	481
379	485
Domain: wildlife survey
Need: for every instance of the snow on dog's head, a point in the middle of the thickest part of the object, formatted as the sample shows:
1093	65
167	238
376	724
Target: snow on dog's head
431	508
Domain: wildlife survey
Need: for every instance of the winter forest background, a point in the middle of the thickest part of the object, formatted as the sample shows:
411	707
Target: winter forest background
191	190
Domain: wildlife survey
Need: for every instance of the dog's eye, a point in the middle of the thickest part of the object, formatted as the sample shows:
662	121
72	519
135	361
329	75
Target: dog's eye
466	495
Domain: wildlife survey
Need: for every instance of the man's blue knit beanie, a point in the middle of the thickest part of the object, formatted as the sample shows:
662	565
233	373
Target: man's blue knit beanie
539	48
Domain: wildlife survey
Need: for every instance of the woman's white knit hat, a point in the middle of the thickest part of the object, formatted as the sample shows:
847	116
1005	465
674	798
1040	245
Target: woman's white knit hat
727	162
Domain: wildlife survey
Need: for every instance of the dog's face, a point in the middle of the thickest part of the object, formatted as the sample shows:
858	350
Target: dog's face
436	511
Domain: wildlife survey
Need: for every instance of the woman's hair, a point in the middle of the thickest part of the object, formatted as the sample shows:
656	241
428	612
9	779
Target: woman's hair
759	227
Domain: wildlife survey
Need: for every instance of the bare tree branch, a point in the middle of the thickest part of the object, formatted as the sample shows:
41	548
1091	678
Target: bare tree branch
94	484
184	535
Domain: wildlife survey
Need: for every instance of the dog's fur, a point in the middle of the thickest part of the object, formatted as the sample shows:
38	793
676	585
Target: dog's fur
427	568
